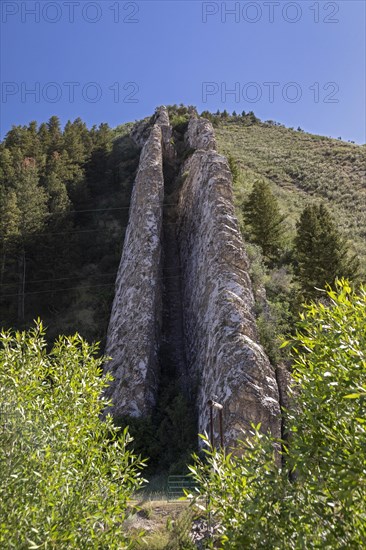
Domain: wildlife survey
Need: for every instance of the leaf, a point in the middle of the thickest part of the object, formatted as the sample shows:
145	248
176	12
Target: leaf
33	545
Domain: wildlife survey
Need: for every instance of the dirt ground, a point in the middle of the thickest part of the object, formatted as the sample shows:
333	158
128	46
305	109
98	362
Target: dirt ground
165	523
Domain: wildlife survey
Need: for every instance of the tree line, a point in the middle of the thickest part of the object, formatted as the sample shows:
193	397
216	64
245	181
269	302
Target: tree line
49	174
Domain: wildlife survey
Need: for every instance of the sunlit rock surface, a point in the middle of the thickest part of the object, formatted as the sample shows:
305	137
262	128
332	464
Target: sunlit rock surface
133	333
224	356
224	360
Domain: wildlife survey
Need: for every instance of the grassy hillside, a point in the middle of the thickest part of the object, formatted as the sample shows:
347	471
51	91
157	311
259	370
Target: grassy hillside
301	168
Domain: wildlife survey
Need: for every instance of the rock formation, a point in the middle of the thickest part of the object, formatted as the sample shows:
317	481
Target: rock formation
133	334
209	323
221	335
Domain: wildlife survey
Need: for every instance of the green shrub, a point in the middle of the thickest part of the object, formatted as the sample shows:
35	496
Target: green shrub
317	498
65	477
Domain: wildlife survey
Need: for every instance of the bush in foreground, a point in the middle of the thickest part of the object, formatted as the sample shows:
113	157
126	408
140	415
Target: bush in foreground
317	499
65	475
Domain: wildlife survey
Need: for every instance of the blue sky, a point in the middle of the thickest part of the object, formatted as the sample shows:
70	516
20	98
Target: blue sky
300	63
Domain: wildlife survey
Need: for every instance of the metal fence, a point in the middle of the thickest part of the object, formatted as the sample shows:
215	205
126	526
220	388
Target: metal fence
177	484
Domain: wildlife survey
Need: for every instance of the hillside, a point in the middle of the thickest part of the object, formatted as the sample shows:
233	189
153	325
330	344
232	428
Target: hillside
70	225
301	167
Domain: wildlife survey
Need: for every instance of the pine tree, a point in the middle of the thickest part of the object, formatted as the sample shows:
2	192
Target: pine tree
77	141
97	166
262	213
6	167
43	136
31	202
320	251
234	168
59	201
54	134
9	225
16	137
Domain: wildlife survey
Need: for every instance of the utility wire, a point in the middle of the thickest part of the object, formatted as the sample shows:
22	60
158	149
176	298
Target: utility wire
96	210
76	231
79	287
34	281
61	279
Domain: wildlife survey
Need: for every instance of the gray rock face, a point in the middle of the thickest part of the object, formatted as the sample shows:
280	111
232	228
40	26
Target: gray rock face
224	356
161	116
200	134
162	120
218	345
133	333
141	131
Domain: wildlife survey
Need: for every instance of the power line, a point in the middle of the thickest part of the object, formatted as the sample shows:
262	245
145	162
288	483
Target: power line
97	210
73	231
60	279
56	290
78	288
76	231
34	281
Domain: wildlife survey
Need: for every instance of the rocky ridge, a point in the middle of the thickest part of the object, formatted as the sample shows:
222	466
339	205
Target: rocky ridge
133	335
218	350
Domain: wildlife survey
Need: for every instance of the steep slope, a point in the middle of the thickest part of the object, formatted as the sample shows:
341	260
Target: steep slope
301	167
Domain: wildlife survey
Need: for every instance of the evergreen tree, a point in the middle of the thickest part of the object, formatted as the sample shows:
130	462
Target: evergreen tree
77	141
262	213
6	167
234	168
31	202
70	173
9	225
97	166
43	137
54	134
32	146
9	214
253	119
320	251
16	137
59	201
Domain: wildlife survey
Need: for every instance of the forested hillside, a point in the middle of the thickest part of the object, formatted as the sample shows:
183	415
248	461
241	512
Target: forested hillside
64	198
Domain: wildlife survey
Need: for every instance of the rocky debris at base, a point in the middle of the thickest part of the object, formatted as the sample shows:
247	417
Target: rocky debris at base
202	533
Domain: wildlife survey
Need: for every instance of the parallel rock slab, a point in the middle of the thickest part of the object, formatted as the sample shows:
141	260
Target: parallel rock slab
200	134
224	357
133	334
